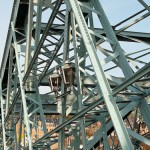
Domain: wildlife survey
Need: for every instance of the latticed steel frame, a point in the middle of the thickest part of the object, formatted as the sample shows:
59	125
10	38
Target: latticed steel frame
34	49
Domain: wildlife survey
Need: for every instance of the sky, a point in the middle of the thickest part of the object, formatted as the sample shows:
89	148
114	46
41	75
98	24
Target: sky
5	13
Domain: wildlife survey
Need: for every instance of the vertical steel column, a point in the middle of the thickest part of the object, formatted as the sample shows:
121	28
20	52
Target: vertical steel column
12	128
101	79
41	112
37	39
22	91
29	35
9	81
61	105
38	22
38	28
76	134
2	116
104	131
79	81
20	129
11	125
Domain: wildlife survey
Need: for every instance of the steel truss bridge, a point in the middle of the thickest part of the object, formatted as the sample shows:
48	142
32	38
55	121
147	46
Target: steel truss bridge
107	83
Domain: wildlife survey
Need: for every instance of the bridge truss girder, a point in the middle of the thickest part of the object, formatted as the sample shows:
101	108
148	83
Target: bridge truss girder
119	103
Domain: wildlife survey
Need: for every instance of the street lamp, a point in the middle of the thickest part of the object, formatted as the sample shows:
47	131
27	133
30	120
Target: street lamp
68	73
55	81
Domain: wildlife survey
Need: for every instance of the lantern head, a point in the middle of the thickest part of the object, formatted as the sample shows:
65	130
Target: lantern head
68	73
55	81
